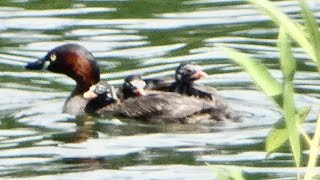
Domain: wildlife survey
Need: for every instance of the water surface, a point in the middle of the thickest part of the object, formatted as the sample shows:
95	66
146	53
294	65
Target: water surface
151	38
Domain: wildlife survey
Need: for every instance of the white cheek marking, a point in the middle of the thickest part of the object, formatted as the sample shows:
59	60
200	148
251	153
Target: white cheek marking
113	93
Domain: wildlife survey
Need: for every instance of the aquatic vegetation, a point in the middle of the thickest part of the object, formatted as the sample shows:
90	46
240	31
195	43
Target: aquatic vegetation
307	36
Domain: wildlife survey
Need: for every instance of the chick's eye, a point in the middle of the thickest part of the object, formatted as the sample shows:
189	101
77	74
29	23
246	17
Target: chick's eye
189	71
126	84
101	89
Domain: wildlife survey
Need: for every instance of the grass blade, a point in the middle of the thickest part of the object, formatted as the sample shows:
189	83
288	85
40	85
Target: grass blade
287	60
291	119
228	172
277	137
312	30
279	134
314	151
290	27
259	73
288	67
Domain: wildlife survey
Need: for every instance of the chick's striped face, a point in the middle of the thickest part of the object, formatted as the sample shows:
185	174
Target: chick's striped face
189	73
134	86
137	84
134	82
189	69
100	89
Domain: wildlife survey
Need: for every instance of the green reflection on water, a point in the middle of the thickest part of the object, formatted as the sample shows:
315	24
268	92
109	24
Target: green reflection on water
193	37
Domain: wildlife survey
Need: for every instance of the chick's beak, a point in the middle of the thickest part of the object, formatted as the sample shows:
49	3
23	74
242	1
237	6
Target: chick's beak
139	92
199	75
89	95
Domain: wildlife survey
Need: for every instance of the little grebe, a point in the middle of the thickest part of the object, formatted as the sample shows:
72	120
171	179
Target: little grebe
78	63
184	83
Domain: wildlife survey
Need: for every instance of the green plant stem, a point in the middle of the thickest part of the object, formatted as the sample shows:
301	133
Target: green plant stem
291	120
305	135
288	68
313	154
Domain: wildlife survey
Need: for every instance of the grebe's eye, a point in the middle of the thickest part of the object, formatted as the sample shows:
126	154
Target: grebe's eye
53	57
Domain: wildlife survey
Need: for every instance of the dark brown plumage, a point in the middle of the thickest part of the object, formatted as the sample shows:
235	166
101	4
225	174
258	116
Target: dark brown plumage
154	106
184	83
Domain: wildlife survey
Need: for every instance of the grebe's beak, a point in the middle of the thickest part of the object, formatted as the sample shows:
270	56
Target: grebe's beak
139	92
37	65
199	75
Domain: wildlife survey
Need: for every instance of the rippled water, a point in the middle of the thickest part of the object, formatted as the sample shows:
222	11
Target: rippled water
151	38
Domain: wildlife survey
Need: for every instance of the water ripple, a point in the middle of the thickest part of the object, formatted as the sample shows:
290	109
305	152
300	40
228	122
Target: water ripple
38	141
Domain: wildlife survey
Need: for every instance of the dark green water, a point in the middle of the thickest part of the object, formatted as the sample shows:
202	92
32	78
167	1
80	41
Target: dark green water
150	37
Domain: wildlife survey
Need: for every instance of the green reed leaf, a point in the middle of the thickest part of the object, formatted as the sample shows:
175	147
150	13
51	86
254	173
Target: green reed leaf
288	67
228	172
291	119
259	73
291	28
287	60
303	113
312	30
314	153
279	135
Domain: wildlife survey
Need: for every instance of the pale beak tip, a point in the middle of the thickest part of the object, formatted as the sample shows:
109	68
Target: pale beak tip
89	95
